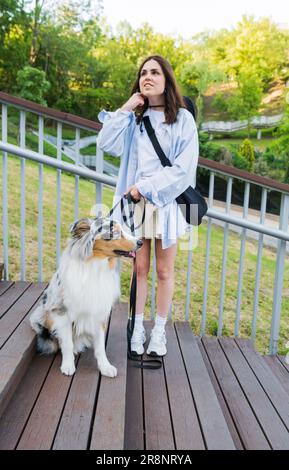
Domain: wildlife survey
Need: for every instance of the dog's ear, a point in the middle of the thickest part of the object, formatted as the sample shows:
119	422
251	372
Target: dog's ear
80	227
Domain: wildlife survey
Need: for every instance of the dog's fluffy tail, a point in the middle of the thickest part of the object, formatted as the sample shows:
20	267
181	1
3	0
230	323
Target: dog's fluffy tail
46	342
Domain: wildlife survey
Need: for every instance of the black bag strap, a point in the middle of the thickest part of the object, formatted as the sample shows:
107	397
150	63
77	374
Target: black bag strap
164	160
152	135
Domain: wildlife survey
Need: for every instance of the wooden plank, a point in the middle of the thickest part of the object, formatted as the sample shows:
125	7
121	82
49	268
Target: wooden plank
222	401
15	357
267	378
5	285
17	412
109	421
266	414
283	361
249	429
214	426
16	313
279	370
12	295
186	426
74	427
158	425
134	429
42	424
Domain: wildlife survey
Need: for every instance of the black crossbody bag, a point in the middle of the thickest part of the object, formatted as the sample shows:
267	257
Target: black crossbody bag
191	197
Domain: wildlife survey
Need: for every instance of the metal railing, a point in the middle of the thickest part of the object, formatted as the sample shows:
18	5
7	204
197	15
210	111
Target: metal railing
97	178
258	122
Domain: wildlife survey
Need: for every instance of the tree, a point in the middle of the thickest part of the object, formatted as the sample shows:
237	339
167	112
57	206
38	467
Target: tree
246	149
14	40
259	47
196	77
245	102
35	29
32	84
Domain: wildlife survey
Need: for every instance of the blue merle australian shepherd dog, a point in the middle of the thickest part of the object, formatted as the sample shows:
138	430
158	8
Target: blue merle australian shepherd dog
75	307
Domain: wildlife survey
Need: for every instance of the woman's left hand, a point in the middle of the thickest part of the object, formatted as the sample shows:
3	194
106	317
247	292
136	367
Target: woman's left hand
134	193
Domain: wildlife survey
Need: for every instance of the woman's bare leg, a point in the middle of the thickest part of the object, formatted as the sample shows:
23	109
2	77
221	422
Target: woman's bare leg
165	260
142	269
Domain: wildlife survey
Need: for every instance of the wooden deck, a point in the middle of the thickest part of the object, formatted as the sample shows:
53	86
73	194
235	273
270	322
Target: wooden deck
210	394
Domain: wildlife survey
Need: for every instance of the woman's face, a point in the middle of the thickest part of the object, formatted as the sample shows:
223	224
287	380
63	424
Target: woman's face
152	80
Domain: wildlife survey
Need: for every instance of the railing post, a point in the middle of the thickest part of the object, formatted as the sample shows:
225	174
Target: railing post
208	247
23	200
5	195
40	198
279	275
58	195
76	181
224	262
241	263
258	266
99	169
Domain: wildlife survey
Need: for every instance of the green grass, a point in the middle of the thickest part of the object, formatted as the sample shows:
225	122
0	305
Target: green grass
258	144
238	137
91	150
86	203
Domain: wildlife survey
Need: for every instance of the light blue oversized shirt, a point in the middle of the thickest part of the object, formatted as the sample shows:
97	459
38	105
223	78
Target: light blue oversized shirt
118	137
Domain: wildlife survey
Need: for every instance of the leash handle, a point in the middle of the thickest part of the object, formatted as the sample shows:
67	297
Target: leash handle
129	221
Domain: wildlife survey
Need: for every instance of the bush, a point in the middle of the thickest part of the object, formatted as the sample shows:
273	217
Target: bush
209	149
277	158
261	167
246	150
239	161
32	84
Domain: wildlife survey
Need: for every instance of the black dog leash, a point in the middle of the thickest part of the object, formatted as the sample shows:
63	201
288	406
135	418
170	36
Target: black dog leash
141	363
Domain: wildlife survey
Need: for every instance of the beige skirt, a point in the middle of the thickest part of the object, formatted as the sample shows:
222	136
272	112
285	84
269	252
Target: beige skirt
152	225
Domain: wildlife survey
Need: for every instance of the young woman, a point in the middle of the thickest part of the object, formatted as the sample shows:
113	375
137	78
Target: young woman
155	93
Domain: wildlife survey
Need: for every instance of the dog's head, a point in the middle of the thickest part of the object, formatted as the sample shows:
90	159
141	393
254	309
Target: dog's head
102	238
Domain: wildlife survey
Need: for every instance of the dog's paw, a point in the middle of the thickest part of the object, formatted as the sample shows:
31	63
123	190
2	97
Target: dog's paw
67	368
108	370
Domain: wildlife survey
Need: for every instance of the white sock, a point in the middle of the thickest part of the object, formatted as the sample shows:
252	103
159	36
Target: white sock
138	323
160	322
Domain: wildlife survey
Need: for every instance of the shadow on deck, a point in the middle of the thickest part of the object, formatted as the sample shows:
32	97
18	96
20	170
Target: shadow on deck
210	394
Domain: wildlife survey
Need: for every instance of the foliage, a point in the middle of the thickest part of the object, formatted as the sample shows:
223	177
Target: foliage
259	47
245	102
239	161
32	84
261	167
90	66
247	151
277	158
196	77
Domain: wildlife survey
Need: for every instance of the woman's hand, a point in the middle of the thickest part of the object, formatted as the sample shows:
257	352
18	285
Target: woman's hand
137	99
134	193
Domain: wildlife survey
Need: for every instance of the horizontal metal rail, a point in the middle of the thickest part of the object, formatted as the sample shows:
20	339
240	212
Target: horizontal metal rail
111	181
59	164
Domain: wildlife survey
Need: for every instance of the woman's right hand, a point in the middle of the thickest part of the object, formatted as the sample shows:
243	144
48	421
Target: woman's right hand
137	99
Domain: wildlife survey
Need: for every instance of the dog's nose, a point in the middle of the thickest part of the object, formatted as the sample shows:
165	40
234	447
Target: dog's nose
139	243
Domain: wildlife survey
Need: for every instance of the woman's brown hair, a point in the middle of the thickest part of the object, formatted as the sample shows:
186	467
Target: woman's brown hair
173	96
